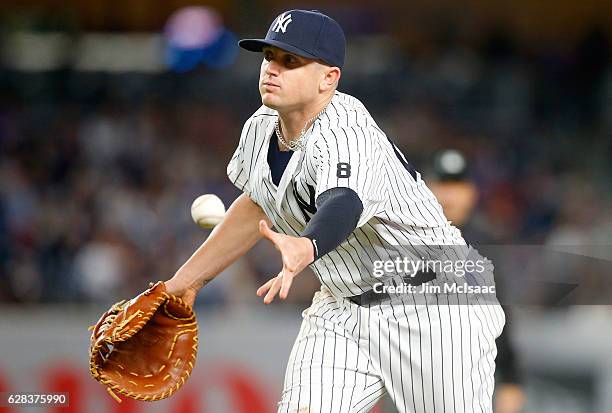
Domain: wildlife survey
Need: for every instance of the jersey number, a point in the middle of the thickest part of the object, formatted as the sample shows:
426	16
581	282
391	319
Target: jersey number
344	170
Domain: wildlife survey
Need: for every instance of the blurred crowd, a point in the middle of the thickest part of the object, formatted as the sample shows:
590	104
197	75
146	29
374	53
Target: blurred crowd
96	180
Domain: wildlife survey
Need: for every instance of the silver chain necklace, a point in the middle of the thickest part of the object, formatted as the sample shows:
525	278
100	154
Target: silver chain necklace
299	143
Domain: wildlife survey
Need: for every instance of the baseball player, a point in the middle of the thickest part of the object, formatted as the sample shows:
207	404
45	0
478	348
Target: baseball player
314	165
458	195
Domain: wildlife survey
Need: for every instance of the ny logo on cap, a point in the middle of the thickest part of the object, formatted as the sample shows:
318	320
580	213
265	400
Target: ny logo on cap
281	23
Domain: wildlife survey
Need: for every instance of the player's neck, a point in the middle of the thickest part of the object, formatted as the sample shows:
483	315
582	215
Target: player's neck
293	121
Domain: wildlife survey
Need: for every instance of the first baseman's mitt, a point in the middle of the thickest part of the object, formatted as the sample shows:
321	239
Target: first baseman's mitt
144	348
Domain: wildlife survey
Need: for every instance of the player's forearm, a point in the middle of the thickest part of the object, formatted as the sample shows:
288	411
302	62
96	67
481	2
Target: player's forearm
231	239
338	212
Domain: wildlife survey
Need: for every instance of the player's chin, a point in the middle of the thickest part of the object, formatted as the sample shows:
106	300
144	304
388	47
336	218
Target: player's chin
270	100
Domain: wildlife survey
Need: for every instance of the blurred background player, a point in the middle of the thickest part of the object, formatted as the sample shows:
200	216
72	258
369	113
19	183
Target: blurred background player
458	196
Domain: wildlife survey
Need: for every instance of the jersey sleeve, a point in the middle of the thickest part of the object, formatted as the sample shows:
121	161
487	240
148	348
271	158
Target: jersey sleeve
239	168
352	158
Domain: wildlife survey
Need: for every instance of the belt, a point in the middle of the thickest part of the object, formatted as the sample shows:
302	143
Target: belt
372	297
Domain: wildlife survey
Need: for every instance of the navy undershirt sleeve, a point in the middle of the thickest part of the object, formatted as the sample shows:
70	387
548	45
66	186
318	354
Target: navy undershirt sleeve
338	212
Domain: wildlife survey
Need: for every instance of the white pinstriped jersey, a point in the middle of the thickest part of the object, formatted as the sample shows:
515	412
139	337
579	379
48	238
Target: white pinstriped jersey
344	148
435	355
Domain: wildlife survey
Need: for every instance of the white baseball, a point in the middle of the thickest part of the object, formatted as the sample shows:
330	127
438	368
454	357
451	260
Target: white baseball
207	210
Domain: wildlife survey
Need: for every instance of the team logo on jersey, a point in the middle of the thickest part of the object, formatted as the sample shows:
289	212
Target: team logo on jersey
306	207
281	23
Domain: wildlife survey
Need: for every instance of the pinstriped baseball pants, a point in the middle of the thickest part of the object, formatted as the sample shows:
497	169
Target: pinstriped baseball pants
428	355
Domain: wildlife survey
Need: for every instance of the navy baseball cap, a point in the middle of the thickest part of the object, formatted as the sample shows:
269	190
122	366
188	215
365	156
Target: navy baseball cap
450	165
309	34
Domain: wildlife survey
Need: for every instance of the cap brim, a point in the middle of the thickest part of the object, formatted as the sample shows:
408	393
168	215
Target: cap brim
256	45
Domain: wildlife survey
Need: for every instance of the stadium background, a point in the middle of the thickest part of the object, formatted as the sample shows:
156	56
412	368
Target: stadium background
115	115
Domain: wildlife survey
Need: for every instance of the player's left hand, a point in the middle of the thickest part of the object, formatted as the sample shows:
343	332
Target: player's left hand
296	252
509	398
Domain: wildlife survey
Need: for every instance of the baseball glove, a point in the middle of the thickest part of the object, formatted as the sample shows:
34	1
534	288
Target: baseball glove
144	348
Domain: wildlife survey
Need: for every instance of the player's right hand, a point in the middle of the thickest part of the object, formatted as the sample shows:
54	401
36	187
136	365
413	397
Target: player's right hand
296	252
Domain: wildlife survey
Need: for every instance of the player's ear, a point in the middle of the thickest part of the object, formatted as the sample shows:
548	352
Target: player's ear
331	76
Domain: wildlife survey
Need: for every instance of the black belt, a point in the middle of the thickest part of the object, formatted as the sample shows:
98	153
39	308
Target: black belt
372	297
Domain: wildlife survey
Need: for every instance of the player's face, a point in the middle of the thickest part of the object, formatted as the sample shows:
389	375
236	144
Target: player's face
458	199
288	81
